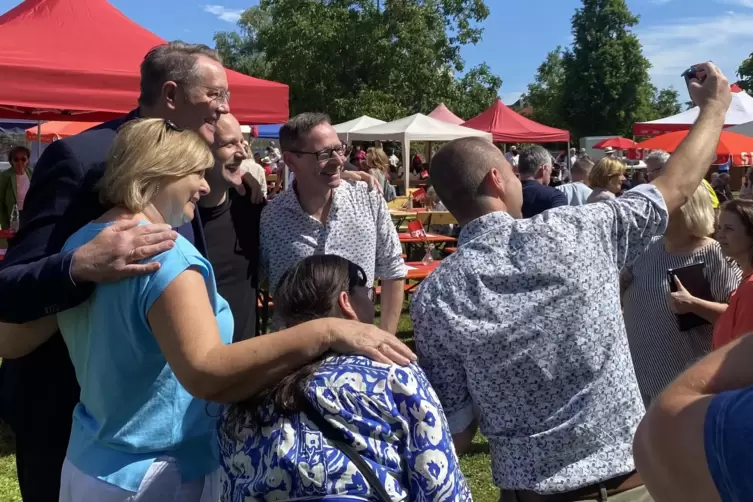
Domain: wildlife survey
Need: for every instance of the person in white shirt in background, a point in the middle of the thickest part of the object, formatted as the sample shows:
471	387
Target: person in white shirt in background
578	191
250	166
512	157
573	157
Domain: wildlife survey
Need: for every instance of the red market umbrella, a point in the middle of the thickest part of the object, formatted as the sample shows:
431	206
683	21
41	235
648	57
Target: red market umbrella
738	146
616	143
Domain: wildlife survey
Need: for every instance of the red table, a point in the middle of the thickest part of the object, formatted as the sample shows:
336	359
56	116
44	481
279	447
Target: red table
5	234
405	238
419	271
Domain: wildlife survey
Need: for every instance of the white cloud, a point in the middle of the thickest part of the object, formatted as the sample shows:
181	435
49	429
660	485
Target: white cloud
660	2
223	13
509	98
672	47
739	3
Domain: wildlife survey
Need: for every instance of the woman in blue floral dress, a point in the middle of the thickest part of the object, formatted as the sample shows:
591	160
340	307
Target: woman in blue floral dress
271	450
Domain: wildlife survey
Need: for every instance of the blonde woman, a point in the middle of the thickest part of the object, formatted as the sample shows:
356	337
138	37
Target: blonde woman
659	349
606	179
377	164
148	349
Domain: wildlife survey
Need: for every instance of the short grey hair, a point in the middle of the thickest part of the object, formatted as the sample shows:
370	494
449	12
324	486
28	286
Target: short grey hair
170	62
532	158
659	156
296	129
582	166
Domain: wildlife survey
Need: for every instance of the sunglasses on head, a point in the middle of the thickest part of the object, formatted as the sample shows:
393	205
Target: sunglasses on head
357	278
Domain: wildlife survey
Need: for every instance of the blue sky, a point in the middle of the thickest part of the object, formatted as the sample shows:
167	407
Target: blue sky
518	34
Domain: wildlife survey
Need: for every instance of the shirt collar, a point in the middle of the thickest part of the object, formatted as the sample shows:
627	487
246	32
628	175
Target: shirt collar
289	200
484	224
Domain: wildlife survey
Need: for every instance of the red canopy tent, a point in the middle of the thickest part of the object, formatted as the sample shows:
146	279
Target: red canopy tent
53	131
441	112
508	126
79	60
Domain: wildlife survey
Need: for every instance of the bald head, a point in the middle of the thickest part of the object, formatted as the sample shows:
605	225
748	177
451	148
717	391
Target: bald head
460	171
228	125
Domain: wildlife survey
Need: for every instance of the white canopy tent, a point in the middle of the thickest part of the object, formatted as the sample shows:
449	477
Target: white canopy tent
417	127
744	129
344	129
740	112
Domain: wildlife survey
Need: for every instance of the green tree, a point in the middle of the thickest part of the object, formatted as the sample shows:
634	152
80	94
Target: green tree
666	103
385	58
745	72
606	87
544	95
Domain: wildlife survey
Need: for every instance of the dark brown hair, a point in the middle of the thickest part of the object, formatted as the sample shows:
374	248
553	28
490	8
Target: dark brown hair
174	61
743	209
297	128
13	151
308	290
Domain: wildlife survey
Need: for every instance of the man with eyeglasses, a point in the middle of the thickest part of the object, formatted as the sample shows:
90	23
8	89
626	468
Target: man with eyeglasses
322	215
14	183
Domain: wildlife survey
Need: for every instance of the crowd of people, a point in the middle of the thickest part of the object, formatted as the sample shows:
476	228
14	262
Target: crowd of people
133	370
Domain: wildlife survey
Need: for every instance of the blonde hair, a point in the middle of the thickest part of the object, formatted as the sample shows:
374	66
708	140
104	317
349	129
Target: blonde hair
603	170
377	159
698	214
145	152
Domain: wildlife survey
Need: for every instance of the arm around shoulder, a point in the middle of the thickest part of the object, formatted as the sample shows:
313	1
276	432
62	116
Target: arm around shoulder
18	340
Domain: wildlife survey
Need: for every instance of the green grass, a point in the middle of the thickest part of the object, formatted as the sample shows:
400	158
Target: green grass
476	465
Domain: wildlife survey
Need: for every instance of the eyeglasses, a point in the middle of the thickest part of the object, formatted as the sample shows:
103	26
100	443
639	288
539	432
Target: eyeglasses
216	93
20	159
357	278
324	155
171	126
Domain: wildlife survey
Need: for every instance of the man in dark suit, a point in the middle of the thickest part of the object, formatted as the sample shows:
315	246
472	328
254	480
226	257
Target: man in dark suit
183	83
535	168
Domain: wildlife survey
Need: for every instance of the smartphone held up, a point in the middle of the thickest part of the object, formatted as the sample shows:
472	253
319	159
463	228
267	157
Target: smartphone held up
694	72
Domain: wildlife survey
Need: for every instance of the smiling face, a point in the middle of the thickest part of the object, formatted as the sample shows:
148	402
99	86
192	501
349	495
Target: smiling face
229	152
314	168
177	198
199	104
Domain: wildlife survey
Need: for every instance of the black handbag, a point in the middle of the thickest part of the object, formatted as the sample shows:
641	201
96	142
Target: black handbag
338	439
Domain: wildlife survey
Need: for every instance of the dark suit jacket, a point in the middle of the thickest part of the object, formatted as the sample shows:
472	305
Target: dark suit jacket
537	198
35	276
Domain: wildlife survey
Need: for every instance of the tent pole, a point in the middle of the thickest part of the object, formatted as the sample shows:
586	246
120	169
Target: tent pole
39	140
406	167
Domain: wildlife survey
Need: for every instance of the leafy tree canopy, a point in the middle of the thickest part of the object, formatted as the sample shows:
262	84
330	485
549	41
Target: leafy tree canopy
387	59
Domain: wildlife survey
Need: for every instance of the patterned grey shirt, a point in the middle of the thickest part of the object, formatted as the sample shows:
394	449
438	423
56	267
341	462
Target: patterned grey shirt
358	227
524	321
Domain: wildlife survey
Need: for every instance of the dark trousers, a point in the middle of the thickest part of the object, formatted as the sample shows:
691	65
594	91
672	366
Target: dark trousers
38	395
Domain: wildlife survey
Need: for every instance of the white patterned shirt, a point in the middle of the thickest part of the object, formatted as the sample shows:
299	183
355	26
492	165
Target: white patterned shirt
524	321
358	227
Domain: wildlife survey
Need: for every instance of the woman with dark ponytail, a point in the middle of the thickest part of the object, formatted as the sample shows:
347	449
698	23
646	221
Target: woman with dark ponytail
271	447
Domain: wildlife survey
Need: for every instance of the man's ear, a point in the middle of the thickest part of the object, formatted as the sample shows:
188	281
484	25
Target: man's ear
170	94
494	184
